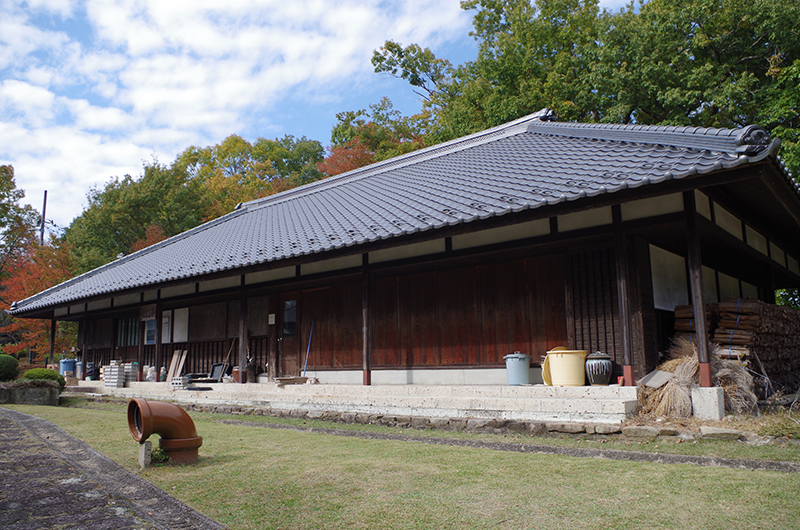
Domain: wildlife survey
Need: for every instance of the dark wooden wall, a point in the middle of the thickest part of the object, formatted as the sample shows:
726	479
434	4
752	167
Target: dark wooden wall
595	309
470	316
593	306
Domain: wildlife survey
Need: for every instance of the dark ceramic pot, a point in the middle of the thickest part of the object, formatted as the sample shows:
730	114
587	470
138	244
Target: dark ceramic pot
599	368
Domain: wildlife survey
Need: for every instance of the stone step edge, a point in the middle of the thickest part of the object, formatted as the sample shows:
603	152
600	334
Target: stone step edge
558	423
438	407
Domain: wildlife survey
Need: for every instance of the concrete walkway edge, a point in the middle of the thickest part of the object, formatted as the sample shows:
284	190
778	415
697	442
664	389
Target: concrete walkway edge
147	501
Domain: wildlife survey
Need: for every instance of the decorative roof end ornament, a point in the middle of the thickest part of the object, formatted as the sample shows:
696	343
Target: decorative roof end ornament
752	140
545	115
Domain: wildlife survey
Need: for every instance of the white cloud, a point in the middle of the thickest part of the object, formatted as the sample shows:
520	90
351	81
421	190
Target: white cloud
98	86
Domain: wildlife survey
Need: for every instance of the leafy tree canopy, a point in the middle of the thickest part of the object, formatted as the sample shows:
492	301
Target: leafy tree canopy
16	221
710	63
365	136
203	183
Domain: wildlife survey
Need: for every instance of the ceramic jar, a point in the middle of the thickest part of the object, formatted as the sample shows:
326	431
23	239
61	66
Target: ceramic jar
599	368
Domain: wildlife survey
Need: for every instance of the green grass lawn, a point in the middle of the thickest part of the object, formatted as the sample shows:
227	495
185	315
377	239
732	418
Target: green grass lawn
255	478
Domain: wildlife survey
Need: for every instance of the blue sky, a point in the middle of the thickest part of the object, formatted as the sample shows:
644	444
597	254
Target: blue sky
91	89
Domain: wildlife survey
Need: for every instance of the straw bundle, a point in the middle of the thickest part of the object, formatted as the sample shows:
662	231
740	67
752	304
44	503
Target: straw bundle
674	399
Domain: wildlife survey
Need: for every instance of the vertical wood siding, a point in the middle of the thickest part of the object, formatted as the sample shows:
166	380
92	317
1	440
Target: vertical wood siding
594	303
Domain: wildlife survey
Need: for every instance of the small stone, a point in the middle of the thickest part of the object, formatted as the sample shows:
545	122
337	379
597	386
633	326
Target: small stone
476	424
420	423
440	423
403	421
496	424
517	426
569	428
667	431
717	433
458	424
605	428
640	431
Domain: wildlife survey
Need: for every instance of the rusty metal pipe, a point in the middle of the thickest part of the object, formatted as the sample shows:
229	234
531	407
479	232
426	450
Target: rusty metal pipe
178	434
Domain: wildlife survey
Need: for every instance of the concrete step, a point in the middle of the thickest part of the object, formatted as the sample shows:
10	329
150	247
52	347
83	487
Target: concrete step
523	403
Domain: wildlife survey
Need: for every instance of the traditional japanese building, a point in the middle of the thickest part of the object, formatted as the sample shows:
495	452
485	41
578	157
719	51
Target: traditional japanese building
430	267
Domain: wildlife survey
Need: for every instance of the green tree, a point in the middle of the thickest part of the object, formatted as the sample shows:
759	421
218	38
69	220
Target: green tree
708	63
235	170
361	137
16	221
119	215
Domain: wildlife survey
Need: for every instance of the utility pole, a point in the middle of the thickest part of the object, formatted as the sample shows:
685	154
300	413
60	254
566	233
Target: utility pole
44	211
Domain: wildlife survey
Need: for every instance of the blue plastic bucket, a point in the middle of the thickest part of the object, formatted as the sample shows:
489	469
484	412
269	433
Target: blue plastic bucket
66	365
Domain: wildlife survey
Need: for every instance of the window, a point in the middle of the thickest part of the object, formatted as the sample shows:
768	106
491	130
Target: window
150	332
128	332
289	318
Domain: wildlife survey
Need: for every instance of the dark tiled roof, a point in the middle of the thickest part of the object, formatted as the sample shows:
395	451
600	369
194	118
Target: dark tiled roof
525	164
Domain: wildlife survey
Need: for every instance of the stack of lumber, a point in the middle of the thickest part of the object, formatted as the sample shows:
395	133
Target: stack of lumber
685	327
738	322
768	334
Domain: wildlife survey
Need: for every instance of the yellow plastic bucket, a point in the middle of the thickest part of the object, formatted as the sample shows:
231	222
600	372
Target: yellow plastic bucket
563	367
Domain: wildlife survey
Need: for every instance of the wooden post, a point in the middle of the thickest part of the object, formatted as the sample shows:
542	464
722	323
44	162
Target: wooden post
272	337
159	338
365	334
140	349
52	339
695	263
621	262
243	345
82	346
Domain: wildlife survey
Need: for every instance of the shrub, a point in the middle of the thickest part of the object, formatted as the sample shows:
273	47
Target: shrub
45	373
9	367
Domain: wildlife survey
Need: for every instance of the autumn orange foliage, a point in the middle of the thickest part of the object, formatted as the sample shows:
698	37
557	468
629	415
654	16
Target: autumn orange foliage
35	269
342	158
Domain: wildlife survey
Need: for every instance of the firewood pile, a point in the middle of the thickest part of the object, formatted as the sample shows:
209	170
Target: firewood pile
763	337
685	327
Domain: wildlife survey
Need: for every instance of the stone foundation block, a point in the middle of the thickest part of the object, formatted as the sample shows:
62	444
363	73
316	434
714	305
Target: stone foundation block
708	403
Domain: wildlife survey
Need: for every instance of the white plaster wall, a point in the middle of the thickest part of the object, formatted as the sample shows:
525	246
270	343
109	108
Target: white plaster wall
585	219
651	207
407	251
670	286
270	275
728	286
727	221
539	227
180	325
756	240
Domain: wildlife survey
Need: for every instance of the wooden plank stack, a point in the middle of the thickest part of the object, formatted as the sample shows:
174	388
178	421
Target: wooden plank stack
685	322
763	336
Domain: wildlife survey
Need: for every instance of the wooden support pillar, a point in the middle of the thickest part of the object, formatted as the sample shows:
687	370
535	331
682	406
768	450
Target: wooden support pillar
365	334
82	346
52	339
243	341
272	333
159	337
695	263
140	350
623	298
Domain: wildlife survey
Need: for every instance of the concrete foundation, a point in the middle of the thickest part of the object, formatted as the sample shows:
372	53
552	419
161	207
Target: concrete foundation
607	405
